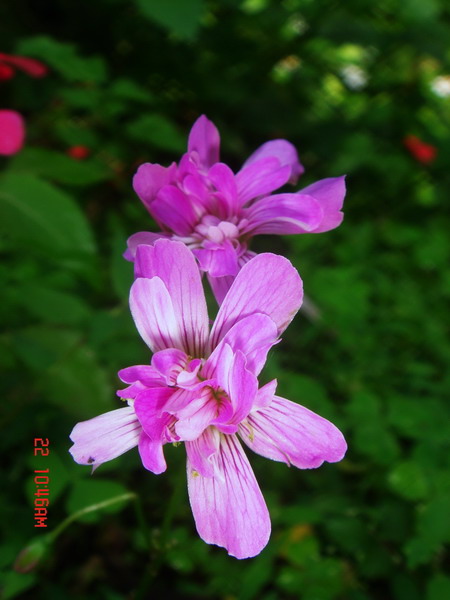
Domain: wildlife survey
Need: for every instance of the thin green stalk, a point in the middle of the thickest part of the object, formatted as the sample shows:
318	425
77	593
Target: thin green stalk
89	509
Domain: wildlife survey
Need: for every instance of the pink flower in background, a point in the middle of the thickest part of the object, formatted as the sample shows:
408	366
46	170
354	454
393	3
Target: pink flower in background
12	125
12	132
215	212
31	66
201	388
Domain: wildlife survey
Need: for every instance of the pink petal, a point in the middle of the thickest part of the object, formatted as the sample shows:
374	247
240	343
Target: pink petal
221	285
196	416
201	451
222	177
142	237
105	437
330	194
150	178
253	336
265	395
284	151
267	284
175	265
152	455
219	260
169	363
150	410
145	374
290	433
174	210
228	508
12	132
242	388
154	315
205	140
284	214
261	178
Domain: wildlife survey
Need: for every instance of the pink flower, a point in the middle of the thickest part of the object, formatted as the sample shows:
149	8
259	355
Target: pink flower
215	212
201	388
12	132
31	66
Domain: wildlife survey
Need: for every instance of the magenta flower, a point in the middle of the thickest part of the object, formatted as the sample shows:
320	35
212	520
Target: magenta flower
203	204
12	132
201	388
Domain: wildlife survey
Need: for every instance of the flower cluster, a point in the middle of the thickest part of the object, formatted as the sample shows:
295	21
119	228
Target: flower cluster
215	212
202	387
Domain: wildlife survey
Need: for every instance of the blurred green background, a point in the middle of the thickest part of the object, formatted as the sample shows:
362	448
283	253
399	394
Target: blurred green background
346	83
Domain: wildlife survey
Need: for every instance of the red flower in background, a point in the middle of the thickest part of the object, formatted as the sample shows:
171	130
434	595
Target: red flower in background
12	125
78	152
12	132
422	152
31	66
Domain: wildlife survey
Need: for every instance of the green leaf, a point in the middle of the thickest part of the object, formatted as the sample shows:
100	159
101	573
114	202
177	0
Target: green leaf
59	167
69	373
92	491
438	587
35	214
156	130
64	58
409	481
52	306
127	89
178	16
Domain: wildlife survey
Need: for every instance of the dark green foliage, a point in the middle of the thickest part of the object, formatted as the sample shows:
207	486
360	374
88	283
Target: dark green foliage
345	82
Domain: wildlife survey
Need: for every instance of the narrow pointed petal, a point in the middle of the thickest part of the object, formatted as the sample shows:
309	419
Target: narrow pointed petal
154	314
330	194
142	237
267	284
205	140
284	214
253	336
150	178
287	432
152	455
222	177
265	395
174	210
12	132
105	437
260	178
175	265
286	154
228	508
242	388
